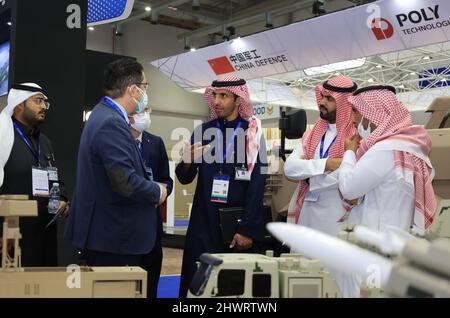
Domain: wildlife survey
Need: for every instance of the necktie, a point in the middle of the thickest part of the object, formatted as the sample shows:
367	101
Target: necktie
139	147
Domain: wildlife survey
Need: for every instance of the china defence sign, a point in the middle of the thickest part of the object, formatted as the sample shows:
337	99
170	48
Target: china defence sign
377	28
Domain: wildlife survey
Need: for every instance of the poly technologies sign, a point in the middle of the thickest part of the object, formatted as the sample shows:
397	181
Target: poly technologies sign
410	23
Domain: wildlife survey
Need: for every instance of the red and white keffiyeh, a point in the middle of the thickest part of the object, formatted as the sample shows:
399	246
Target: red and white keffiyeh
254	131
312	138
411	146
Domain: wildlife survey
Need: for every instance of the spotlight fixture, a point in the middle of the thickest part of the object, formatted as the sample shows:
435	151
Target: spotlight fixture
187	47
195	5
269	23
118	30
318	7
229	33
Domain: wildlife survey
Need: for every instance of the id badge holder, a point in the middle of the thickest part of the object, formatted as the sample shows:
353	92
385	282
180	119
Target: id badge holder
39	182
243	174
52	174
220	187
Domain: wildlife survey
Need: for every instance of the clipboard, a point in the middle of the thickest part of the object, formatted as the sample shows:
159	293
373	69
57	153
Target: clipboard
229	222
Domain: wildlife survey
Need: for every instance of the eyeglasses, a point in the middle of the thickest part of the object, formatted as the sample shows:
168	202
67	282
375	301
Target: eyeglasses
145	85
146	111
42	101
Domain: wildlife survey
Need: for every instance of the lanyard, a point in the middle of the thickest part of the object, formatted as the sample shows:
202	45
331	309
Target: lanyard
36	155
116	108
230	144
325	155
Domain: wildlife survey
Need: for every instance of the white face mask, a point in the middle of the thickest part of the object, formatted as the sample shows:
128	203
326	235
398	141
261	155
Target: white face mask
143	102
364	133
142	121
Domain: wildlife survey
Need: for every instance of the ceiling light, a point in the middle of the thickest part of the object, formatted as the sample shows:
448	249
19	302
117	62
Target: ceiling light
193	49
91	28
237	42
329	68
379	66
370	80
148	9
426	57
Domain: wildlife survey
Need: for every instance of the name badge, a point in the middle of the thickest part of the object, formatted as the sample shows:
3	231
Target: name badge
39	182
243	174
311	196
220	189
52	174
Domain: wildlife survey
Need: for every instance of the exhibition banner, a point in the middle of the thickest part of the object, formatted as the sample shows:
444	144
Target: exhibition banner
376	28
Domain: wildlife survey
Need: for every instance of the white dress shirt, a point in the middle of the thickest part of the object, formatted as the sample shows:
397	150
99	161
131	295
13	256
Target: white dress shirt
388	198
322	207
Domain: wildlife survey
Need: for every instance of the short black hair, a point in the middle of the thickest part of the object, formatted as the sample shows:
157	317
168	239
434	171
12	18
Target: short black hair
121	74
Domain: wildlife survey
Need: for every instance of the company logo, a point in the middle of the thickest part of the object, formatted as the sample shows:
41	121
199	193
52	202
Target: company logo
410	23
243	61
266	111
382	29
415	17
221	65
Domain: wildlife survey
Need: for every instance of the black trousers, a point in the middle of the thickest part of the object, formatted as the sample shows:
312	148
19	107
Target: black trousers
150	262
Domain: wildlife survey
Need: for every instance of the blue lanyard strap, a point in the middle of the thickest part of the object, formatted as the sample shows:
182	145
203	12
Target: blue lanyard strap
36	155
230	143
325	155
115	107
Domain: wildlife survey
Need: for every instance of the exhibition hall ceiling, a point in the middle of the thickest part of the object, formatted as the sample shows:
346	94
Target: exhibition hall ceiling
418	74
209	22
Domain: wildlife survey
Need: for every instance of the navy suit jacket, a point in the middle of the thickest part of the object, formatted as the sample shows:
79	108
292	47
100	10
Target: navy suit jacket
114	208
155	157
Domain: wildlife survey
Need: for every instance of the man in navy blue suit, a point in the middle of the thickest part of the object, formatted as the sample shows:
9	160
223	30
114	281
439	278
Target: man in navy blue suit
154	155
114	217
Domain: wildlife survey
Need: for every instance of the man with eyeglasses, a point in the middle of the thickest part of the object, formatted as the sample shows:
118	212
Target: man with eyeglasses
26	152
113	219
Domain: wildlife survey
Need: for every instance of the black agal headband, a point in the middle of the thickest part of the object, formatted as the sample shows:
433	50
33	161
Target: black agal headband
330	87
240	82
28	88
373	88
